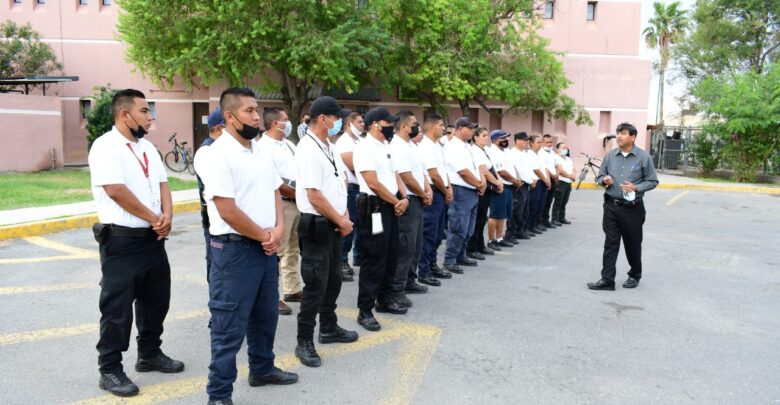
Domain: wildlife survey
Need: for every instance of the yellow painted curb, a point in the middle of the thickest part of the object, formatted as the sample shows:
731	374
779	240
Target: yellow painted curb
702	187
74	222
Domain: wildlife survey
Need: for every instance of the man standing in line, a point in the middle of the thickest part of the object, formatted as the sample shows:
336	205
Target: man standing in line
627	173
435	214
247	225
539	192
274	146
520	198
134	207
216	124
345	147
548	155
501	204
381	201
468	185
322	198
406	161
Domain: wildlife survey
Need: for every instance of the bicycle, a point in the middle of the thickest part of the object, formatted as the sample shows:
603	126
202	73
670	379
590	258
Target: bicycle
591	165
180	158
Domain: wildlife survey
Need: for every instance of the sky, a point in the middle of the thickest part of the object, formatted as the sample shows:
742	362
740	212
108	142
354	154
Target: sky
673	89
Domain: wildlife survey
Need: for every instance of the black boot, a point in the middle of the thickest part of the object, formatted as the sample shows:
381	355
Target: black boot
118	384
307	354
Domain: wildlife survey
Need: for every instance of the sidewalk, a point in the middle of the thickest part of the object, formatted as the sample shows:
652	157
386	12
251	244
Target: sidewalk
42	220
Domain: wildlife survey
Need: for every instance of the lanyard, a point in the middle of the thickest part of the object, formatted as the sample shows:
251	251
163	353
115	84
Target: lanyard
144	164
327	156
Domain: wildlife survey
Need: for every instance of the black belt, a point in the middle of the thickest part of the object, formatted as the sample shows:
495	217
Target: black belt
288	199
414	196
127	232
465	188
232	237
353	186
373	200
621	202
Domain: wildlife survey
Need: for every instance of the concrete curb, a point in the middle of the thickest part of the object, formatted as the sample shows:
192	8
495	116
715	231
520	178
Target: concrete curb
703	187
78	221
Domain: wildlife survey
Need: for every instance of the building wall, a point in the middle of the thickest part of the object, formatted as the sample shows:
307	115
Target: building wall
601	58
32	133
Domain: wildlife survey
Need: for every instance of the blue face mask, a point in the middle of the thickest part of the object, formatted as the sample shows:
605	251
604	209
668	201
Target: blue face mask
336	128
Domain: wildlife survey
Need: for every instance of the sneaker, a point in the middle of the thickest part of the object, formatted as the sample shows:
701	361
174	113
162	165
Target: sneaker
118	384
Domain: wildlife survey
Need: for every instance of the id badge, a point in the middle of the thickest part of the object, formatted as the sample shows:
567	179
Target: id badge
376	223
342	188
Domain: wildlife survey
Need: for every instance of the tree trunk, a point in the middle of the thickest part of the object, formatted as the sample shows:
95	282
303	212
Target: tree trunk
465	108
662	77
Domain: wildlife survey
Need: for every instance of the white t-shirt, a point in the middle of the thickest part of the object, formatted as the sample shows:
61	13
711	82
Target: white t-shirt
549	160
504	162
458	156
281	153
567	165
314	164
230	170
520	160
481	156
111	161
433	158
537	162
405	157
346	144
374	155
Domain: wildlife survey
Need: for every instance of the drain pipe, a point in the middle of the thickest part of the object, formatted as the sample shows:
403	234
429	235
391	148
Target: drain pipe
53	159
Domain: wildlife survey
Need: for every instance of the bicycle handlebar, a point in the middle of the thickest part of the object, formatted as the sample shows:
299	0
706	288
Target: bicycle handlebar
590	157
172	137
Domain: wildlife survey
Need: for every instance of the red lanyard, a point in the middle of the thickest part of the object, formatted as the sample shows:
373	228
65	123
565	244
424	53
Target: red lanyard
144	164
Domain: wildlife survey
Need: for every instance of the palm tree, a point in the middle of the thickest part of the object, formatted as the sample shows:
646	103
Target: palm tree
667	27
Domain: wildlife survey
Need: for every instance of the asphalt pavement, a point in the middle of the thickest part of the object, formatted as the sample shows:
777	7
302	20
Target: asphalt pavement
521	328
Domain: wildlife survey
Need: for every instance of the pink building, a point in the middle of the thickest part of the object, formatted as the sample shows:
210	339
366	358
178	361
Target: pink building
600	38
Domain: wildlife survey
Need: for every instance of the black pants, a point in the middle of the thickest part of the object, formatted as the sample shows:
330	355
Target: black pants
549	202
520	201
622	221
562	192
477	241
321	246
135	270
380	253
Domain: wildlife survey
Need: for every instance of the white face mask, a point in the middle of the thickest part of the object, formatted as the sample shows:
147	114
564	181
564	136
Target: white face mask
548	149
564	152
354	129
287	129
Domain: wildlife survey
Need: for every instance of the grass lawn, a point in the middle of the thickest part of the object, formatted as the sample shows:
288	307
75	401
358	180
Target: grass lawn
21	190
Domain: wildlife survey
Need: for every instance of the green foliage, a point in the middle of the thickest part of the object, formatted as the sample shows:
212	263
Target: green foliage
22	53
99	119
707	151
745	107
666	27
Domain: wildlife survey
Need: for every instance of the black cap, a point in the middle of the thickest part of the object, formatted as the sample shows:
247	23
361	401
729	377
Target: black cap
521	136
326	105
465	122
378	114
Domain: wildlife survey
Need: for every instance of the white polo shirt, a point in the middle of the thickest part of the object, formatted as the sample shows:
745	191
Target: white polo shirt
504	162
549	160
281	153
374	155
405	157
567	164
537	162
432	156
230	170
314	164
113	159
458	156
346	144
522	165
481	156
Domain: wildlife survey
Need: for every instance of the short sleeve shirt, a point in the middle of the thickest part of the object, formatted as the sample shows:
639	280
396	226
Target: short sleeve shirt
346	144
481	156
314	163
372	154
113	159
549	160
281	153
230	170
432	157
459	156
405	157
566	164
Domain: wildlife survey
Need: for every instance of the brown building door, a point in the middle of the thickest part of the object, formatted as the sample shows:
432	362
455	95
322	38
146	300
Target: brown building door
200	114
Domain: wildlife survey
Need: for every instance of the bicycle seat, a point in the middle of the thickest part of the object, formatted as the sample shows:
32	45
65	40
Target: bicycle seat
183	143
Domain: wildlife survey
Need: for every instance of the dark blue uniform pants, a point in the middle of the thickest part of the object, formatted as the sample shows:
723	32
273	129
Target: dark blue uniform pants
243	300
433	233
538	197
347	242
463	219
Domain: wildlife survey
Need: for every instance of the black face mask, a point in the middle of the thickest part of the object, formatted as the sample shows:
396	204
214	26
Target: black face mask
247	132
137	133
307	121
388	132
415	131
503	144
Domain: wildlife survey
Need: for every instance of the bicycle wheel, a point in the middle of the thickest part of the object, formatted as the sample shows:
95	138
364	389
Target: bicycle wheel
583	173
175	162
190	166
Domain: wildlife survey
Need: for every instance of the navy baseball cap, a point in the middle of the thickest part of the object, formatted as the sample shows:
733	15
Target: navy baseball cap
521	136
465	122
378	114
498	134
326	105
215	118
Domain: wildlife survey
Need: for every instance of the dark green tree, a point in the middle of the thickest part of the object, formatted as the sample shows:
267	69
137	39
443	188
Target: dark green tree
99	118
667	27
23	54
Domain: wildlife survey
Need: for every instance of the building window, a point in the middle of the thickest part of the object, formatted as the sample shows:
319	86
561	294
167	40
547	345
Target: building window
17	1
153	109
41	1
106	2
605	122
549	6
83	2
591	13
85	105
537	122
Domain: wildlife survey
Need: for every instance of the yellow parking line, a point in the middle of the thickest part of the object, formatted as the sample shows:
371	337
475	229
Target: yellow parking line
56	333
45	288
73	253
411	365
675	198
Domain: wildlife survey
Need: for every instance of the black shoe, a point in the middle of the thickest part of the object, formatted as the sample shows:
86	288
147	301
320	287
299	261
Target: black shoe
357	263
532	232
487	251
524	235
556	223
345	268
475	256
547	224
347	277
504	243
540	229
513	241
294	297
275	377
221	402
414	288
602	285
438	272
367	321
161	363
452	268
391	306
564	221
118	384
431	281
338	335
284	309
402	300
307	354
494	245
631	283
467	262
